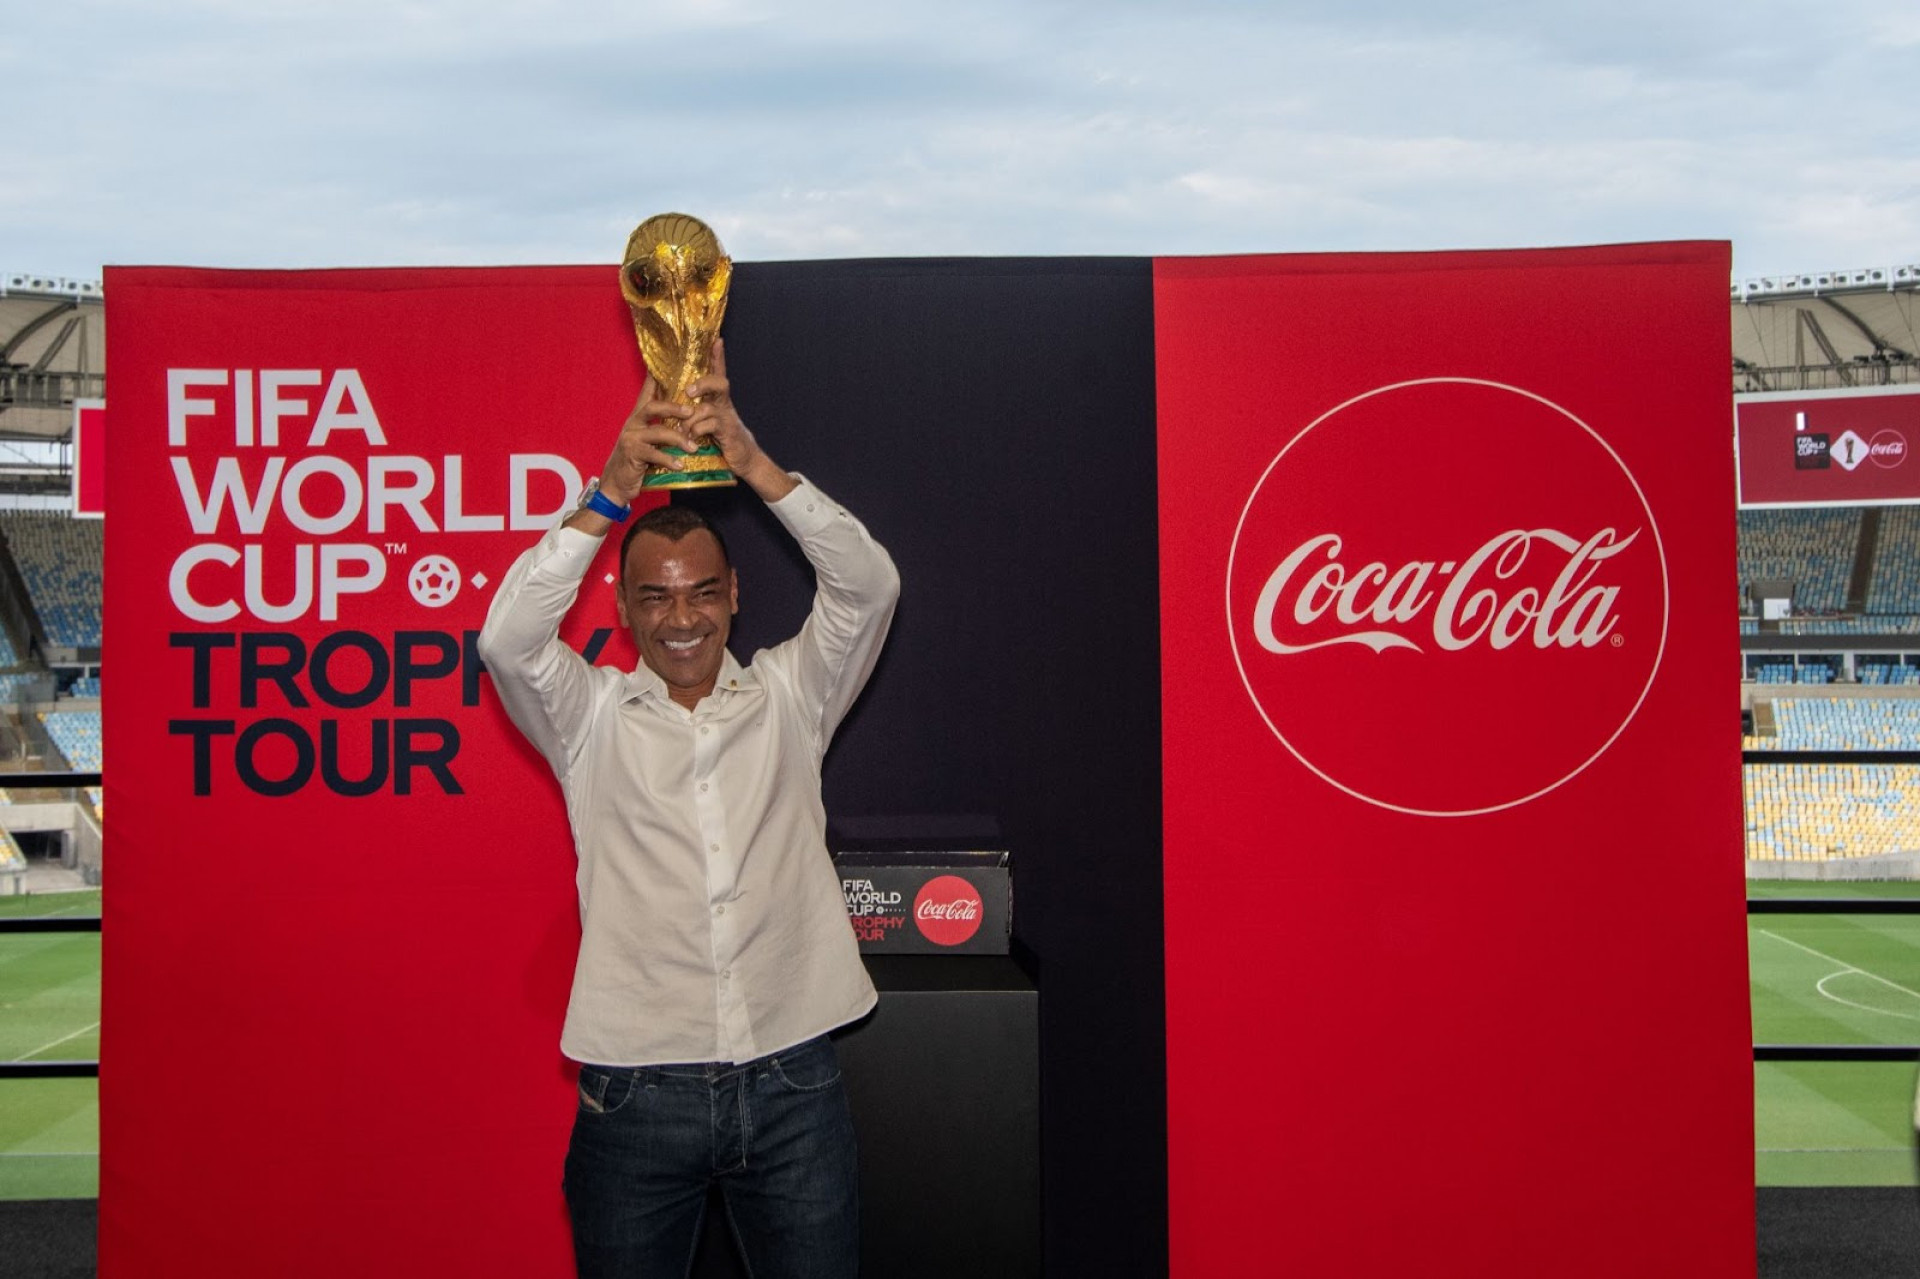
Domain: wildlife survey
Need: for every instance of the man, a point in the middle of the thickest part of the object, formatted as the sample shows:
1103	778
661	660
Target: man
715	953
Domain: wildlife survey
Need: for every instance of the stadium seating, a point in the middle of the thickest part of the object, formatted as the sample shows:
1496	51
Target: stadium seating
1886	673
1814	548
1896	568
86	686
77	735
59	559
1814	812
1842	723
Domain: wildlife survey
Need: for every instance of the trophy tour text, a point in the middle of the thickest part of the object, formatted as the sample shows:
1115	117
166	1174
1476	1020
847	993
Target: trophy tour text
297	504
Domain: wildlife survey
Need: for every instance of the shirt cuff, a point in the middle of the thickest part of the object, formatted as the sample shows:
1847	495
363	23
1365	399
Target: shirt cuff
806	510
569	552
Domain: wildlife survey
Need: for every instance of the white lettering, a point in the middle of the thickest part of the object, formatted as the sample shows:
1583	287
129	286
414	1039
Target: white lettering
453	515
179	583
293	501
1482	599
335	581
332	417
273	406
228	485
181	406
382	491
520	467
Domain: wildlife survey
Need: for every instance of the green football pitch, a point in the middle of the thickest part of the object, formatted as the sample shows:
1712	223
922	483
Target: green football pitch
49	1011
1816	979
1834	979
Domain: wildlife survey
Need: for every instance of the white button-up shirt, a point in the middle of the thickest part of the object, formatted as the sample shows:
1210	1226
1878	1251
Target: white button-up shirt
712	922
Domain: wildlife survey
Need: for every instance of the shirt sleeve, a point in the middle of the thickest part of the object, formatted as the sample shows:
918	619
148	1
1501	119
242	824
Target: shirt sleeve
855	589
546	687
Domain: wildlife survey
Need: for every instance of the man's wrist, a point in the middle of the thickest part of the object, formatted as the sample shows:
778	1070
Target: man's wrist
767	478
604	500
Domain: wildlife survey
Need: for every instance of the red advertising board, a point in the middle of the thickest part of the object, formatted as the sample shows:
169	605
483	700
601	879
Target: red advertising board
1454	926
343	921
89	459
1851	447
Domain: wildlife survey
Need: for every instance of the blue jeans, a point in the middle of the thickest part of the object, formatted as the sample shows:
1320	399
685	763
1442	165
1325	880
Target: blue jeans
774	1133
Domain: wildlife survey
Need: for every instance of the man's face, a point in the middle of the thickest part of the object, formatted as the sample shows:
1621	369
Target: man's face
678	600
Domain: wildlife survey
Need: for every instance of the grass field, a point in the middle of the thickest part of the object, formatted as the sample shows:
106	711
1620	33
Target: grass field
49	1011
1823	979
1834	979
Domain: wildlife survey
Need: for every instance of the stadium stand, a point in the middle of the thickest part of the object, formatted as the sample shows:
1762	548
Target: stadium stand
59	558
1813	548
1843	723
1815	812
1896	570
77	734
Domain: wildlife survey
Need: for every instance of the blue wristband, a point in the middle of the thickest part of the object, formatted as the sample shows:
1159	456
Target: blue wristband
604	505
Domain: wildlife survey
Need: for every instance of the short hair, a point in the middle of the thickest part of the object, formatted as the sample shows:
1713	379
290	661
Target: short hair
673	523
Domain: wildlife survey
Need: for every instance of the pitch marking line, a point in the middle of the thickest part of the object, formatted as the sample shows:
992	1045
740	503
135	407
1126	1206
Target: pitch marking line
1845	968
56	1043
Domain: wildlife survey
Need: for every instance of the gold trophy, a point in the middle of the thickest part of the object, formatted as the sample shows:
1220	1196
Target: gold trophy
675	277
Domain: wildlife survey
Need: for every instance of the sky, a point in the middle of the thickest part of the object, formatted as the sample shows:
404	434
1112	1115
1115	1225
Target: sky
300	133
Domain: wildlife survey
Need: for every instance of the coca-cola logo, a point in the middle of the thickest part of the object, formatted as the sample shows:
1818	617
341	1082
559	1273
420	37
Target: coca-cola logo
946	910
1447	597
1887	449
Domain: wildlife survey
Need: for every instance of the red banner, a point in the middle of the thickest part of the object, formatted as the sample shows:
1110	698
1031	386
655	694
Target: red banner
1455	952
1828	448
342	923
89	459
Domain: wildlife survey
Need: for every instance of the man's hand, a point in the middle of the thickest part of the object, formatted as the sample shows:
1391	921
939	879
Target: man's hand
715	418
654	426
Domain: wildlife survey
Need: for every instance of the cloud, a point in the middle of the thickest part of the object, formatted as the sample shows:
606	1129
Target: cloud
327	133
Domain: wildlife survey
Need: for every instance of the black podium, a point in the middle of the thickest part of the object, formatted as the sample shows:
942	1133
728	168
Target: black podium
944	1078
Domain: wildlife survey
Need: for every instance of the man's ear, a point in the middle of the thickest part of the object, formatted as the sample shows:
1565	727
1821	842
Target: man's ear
733	594
620	604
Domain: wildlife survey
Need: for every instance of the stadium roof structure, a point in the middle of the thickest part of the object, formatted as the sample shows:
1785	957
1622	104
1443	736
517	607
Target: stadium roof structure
1820	331
1827	331
53	350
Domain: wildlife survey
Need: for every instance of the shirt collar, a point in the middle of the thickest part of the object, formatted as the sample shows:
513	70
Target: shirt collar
642	682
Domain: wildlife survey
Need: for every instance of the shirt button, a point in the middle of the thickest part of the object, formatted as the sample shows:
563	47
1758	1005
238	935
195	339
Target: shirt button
713	848
719	910
726	974
703	730
703	786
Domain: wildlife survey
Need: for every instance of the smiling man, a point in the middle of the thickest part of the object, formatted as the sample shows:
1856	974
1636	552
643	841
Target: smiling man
715	953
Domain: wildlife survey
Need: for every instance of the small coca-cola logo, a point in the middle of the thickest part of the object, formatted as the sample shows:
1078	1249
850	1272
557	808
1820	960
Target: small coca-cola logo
1887	449
947	910
1447	597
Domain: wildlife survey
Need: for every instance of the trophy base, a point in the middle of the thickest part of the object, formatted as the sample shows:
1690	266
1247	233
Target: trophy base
705	469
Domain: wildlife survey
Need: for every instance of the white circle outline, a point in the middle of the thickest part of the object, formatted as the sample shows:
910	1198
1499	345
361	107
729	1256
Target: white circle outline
432	562
1896	434
1233	638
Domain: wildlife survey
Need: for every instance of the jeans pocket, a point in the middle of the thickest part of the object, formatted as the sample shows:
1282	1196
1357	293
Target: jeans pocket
808	1067
604	1091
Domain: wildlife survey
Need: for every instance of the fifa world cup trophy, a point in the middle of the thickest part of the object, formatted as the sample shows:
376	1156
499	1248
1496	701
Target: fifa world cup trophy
675	277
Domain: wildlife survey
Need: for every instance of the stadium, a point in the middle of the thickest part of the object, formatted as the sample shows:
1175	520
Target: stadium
1828	617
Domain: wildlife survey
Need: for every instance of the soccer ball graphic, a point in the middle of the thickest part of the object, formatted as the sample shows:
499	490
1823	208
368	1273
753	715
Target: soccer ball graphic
434	580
